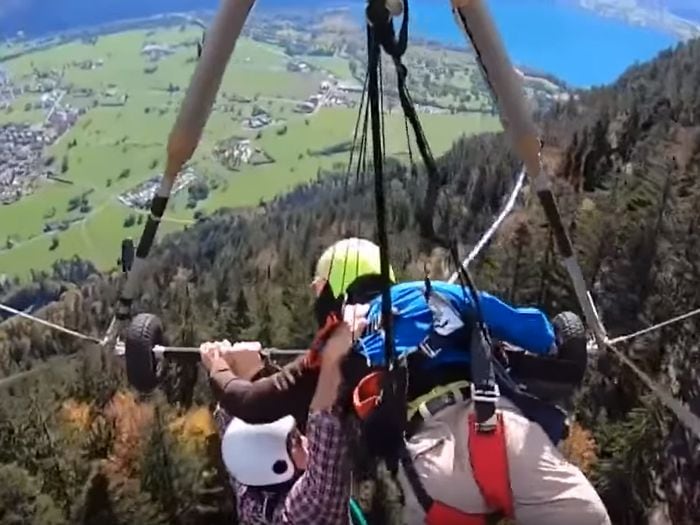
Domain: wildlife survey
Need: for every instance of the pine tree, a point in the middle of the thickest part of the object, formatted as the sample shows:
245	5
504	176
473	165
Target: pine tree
235	322
98	377
242	311
131	504
8	437
49	459
630	454
521	241
298	306
157	470
213	497
22	500
180	371
264	326
98	442
95	506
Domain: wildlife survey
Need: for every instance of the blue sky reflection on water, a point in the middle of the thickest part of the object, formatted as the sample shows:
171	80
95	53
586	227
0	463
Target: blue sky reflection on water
574	44
554	36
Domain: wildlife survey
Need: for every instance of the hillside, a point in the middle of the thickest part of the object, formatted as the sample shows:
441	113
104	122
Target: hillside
83	124
628	164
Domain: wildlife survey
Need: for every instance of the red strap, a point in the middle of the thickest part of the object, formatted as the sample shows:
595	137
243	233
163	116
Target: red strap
441	514
313	358
487	453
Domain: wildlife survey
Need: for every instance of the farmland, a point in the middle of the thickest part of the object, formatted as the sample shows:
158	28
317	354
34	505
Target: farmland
126	89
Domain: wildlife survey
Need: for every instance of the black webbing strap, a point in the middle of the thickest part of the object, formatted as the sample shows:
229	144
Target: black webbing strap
425	499
392	410
158	205
381	33
396	49
485	391
373	94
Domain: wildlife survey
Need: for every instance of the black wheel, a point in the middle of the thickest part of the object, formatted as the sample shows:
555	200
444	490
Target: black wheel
555	379
571	340
144	332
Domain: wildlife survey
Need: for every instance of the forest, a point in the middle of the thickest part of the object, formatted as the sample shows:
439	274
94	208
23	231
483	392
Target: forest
77	446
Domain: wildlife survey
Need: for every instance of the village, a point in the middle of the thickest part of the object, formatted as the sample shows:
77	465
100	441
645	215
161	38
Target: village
23	146
55	103
140	197
441	80
22	149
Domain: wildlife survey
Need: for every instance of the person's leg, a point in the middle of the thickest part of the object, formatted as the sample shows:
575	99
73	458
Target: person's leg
438	452
546	488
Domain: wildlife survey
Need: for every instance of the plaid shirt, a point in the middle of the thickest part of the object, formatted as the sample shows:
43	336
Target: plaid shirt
319	497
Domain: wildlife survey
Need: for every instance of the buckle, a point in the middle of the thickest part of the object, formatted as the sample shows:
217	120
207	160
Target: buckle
485	399
428	350
429	408
490	394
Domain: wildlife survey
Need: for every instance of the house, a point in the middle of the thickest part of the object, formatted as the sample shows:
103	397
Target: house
349	87
156	52
306	107
298	67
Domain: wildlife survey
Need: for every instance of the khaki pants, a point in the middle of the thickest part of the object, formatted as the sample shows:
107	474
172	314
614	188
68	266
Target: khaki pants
546	488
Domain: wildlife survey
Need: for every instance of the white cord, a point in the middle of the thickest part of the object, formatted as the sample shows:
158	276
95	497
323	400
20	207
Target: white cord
50	324
494	227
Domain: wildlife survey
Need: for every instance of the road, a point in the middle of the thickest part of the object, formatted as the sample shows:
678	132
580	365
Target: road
55	105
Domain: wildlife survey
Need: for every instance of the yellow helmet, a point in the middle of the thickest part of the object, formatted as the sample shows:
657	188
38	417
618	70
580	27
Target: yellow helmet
348	259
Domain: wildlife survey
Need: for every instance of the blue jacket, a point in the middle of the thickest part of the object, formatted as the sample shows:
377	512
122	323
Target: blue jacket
415	321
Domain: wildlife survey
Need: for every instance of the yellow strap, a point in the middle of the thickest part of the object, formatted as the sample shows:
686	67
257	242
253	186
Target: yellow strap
436	392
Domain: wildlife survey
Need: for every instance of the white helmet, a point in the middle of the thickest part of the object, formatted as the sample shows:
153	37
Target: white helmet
257	455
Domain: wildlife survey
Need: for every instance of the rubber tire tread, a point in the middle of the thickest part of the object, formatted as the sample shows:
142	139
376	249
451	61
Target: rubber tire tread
144	332
572	347
571	339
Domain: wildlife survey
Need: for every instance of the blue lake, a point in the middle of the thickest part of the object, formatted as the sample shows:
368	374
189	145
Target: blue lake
575	44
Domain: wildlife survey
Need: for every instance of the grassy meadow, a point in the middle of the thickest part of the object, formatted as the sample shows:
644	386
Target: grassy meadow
109	141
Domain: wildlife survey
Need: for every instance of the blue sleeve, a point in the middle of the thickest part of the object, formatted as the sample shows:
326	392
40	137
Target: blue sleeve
527	328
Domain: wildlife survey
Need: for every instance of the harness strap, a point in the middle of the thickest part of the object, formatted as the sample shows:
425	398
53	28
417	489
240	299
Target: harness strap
436	401
441	514
485	391
313	356
426	501
357	516
489	462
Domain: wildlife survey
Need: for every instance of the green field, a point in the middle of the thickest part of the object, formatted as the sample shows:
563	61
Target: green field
133	137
